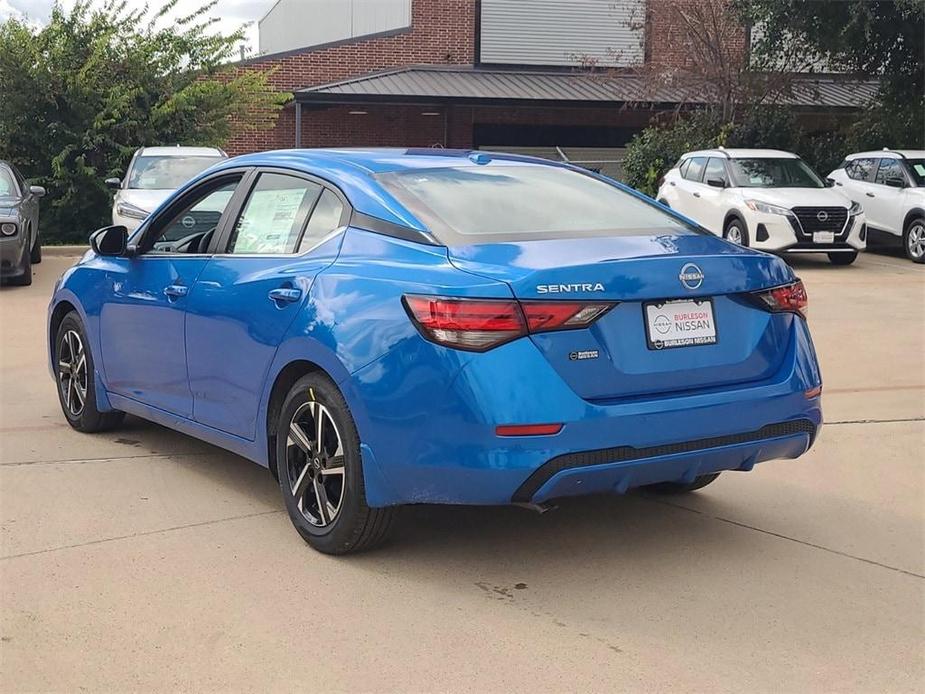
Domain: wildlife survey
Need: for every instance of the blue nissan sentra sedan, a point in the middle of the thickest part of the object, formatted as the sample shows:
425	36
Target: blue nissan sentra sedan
396	326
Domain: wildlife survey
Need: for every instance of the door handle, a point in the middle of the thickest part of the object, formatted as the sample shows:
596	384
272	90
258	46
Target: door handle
175	291
870	195
696	195
672	183
286	295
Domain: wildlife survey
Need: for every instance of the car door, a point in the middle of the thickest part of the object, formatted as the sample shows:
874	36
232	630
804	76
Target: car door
859	185
247	297
691	189
712	197
884	201
142	320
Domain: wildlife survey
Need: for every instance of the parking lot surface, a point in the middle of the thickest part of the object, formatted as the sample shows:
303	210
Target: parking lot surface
142	559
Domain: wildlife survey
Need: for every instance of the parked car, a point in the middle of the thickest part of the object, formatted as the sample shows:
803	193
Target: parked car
765	199
890	184
20	245
153	174
388	327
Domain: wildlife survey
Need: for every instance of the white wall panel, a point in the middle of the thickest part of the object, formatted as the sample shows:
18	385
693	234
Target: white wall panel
293	24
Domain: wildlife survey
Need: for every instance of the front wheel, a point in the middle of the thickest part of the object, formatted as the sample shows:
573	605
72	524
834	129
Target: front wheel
736	232
914	241
680	487
320	471
76	384
842	258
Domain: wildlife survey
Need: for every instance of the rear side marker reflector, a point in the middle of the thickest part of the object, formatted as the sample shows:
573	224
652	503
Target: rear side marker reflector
528	429
813	392
479	324
786	298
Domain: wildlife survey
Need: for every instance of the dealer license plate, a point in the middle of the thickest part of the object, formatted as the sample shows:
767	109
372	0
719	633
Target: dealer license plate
680	323
824	237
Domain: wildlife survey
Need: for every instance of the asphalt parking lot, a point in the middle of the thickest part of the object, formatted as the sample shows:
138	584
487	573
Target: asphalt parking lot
145	560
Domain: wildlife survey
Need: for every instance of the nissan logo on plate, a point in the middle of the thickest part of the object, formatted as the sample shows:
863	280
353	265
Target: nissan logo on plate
691	276
822	216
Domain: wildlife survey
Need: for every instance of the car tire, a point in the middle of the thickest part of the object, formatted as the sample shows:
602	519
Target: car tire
680	487
36	255
322	484
842	258
24	279
736	232
914	240
73	366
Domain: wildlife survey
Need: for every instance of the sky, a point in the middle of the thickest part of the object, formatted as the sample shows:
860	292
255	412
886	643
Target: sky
232	14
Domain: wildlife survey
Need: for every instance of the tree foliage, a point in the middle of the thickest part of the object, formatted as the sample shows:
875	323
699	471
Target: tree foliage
81	93
883	39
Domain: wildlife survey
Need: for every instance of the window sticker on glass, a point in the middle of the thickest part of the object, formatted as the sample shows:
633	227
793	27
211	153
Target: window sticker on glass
274	215
920	169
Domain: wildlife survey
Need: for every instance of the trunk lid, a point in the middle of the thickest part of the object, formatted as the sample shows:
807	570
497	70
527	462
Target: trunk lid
617	357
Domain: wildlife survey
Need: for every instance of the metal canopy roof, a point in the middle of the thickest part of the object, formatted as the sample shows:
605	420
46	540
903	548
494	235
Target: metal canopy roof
463	84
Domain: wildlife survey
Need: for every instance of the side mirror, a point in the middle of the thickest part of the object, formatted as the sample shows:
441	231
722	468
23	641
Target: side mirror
37	191
895	182
716	182
110	241
830	182
113	182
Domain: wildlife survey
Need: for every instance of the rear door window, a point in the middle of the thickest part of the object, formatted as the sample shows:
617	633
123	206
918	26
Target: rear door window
695	170
326	217
274	215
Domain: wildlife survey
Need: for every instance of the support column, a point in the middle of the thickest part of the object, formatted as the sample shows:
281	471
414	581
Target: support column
298	124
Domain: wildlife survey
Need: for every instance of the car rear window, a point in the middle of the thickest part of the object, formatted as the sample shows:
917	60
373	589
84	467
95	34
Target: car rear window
465	205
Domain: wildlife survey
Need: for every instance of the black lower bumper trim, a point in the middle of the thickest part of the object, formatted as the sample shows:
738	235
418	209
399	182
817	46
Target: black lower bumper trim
619	454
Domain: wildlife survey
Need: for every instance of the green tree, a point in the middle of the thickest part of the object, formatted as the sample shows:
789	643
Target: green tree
80	94
874	38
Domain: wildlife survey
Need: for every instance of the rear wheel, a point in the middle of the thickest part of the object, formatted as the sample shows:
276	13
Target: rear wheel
842	258
914	241
76	384
320	471
680	487
736	232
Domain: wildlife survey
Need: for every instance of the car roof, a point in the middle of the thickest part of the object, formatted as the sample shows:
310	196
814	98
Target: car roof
354	171
179	151
889	154
742	153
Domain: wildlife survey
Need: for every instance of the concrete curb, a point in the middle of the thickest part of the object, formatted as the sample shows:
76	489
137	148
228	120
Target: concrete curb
68	251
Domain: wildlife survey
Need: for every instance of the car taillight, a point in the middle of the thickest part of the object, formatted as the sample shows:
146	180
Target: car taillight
480	324
790	297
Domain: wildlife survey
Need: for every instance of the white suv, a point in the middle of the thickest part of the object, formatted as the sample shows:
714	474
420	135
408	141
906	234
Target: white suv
765	199
153	174
891	186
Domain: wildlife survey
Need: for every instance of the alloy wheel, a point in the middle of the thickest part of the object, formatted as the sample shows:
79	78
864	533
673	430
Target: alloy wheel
915	240
72	372
315	464
734	234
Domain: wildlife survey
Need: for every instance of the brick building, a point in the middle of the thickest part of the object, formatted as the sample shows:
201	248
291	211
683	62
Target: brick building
516	75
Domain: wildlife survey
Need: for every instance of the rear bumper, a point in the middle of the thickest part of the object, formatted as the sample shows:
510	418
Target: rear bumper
621	468
437	444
